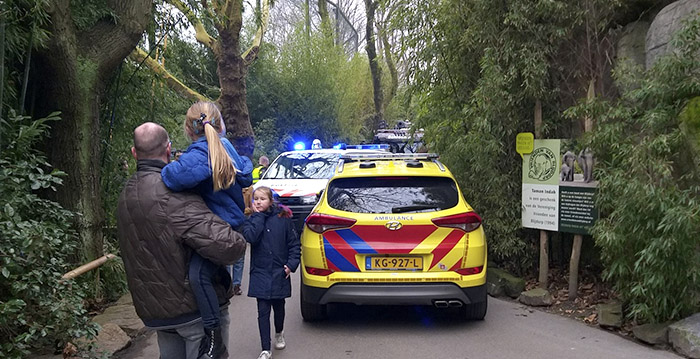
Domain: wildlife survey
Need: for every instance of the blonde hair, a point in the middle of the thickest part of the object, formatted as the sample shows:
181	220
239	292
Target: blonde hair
205	118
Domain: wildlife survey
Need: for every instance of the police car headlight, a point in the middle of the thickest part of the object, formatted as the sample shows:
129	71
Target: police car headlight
308	199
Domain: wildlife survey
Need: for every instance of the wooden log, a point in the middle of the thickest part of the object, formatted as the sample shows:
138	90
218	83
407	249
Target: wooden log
88	266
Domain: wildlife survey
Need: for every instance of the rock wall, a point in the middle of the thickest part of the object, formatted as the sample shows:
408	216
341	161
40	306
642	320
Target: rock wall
666	23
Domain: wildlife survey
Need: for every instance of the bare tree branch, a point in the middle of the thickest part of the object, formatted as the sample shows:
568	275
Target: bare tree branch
201	33
139	55
252	53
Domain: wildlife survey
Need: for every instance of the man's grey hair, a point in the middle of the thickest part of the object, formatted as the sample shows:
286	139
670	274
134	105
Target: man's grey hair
150	140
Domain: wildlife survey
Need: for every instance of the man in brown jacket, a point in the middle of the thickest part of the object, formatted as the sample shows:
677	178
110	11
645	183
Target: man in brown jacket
158	230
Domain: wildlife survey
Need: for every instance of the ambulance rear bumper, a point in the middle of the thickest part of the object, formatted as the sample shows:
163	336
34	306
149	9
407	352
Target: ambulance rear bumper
394	294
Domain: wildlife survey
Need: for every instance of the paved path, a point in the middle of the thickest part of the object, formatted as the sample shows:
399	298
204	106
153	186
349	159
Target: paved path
510	330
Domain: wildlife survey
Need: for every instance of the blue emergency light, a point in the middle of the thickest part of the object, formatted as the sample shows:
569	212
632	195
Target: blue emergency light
299	146
372	146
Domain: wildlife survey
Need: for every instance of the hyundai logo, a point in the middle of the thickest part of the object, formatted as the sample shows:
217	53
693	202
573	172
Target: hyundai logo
393	225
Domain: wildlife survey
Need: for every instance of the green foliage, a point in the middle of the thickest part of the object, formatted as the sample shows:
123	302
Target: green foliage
308	89
87	12
125	108
37	308
22	19
476	69
649	193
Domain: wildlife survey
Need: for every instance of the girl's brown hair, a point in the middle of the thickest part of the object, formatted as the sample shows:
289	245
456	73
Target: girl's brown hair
284	212
268	192
205	118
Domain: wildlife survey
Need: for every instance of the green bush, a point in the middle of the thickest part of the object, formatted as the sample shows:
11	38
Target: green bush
649	195
37	243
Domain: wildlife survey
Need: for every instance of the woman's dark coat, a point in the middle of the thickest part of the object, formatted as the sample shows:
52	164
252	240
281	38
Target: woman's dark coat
273	244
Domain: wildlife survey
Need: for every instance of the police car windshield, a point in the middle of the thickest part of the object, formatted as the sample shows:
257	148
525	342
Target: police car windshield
303	166
392	194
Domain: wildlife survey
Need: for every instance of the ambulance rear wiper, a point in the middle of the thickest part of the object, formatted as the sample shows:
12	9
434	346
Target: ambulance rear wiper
418	207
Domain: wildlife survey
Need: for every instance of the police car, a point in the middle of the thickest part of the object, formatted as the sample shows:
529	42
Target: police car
393	229
299	176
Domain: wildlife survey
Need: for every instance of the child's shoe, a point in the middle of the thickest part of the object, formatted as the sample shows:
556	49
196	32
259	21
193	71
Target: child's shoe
279	341
266	354
212	346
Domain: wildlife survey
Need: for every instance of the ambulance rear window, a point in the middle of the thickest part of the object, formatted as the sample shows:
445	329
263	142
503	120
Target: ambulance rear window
392	194
303	166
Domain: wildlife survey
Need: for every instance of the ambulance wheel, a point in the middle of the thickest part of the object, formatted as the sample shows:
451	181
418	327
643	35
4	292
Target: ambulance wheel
312	312
475	311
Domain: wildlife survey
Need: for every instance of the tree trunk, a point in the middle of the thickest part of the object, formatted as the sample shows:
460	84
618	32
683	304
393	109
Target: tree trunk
390	65
232	69
325	18
307	18
73	70
370	8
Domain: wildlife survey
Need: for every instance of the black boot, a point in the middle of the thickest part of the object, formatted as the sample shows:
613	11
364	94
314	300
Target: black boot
212	345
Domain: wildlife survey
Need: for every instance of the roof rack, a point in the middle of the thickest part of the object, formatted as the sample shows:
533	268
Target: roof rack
366	157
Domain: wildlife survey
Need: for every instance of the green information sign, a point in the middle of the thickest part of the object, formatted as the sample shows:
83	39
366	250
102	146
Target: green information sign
554	197
577	211
541	166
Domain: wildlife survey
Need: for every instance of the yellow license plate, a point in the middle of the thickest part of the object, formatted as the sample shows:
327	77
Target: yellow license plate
394	263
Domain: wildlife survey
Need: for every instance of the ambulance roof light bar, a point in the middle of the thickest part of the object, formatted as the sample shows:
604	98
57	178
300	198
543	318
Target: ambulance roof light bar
355	156
350	157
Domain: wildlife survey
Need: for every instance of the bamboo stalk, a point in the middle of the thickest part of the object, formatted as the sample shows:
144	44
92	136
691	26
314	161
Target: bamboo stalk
2	65
88	266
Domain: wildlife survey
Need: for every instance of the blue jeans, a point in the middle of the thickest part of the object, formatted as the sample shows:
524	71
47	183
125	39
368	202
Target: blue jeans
236	271
183	342
201	273
264	306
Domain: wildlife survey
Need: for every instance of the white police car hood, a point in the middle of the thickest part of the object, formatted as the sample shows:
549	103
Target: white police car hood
294	187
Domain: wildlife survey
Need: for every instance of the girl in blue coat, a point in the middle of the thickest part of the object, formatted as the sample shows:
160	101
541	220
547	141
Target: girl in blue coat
275	251
212	168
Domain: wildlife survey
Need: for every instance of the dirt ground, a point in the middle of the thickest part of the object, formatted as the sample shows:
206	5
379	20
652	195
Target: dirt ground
591	291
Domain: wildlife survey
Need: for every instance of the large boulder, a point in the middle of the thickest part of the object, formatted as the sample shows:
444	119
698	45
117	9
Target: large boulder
512	285
609	315
124	316
684	335
111	339
536	297
631	45
666	23
653	333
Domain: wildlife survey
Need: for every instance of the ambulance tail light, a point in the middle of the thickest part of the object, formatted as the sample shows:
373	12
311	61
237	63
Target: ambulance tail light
465	221
319	271
470	271
320	223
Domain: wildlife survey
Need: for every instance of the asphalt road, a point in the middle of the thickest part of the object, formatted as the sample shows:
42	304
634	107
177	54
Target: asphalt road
510	330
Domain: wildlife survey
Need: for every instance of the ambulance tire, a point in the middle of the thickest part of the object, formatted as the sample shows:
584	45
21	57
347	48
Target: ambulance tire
312	312
475	311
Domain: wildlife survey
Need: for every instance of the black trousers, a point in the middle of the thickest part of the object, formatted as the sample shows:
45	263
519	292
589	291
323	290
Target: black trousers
264	307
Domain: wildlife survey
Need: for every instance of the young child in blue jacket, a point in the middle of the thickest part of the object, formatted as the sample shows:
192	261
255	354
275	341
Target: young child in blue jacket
211	167
275	252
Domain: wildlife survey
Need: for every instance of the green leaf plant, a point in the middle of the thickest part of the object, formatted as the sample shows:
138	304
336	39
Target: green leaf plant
37	245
